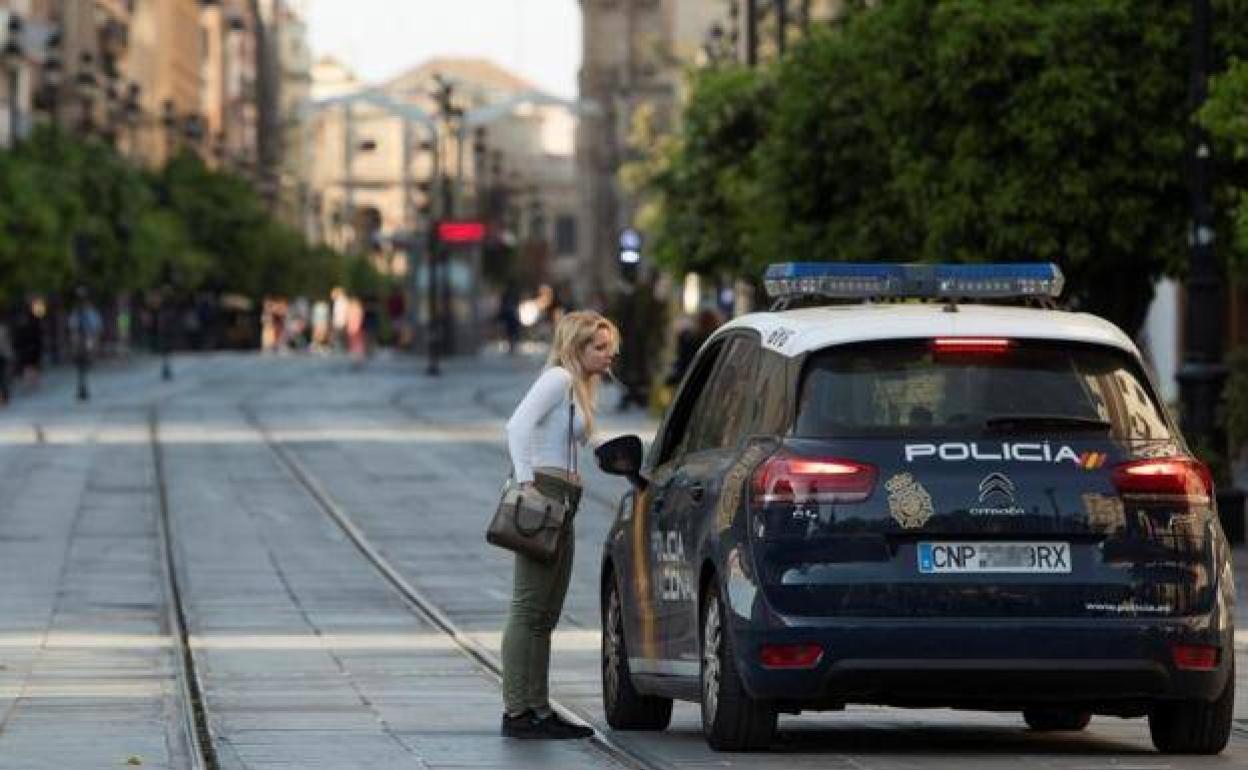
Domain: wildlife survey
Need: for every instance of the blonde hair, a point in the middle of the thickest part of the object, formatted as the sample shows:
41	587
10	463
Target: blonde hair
573	334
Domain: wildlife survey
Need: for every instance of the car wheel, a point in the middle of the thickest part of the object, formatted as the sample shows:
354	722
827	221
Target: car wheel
626	709
1054	719
1194	726
731	719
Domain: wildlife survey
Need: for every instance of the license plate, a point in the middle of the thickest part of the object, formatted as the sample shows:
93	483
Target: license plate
941	558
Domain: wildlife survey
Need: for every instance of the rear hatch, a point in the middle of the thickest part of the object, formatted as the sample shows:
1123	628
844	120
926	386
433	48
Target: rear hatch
981	478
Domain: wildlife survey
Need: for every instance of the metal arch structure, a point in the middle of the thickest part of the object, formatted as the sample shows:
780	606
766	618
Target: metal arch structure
492	112
373	98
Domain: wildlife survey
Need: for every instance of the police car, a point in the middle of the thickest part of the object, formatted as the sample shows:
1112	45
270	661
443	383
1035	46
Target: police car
936	489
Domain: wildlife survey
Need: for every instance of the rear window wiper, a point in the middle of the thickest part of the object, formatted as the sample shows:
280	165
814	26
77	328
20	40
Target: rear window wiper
1045	421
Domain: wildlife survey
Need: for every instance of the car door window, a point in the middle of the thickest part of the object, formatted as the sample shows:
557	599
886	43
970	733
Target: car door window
676	431
726	415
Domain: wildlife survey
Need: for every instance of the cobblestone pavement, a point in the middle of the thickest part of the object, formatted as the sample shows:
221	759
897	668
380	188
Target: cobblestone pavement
308	658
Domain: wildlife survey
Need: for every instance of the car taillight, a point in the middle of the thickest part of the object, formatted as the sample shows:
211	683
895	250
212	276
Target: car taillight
1168	476
788	478
790	655
984	345
1195	657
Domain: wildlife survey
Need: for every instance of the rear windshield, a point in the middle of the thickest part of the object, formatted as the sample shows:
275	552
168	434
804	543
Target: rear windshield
905	388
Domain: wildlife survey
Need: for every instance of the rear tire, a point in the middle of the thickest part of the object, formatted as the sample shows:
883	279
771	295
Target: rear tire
731	719
1194	726
1056	719
625	708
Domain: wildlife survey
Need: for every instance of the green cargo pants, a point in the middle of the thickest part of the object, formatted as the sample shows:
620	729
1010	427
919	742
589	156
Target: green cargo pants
537	598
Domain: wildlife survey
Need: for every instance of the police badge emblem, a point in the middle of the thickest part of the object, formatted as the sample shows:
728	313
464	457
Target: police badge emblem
908	501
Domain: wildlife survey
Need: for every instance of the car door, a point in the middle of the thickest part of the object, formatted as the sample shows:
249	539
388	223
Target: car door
661	585
723	418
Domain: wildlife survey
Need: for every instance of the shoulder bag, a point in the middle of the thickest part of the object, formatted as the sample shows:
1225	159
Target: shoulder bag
534	521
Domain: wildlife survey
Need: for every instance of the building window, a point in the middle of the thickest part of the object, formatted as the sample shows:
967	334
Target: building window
565	235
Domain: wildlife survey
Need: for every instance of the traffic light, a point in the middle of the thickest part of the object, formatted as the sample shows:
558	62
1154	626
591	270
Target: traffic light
629	254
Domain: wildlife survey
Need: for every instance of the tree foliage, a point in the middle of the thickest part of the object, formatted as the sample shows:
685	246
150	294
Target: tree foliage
77	213
1225	115
961	130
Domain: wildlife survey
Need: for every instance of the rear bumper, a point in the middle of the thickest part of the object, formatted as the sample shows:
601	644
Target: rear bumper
1116	666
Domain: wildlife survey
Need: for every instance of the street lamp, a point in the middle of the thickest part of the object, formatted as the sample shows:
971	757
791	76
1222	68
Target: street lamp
169	121
479	153
193	127
1203	373
51	89
133	112
443	95
80	350
82	260
14	55
163	322
86	83
112	108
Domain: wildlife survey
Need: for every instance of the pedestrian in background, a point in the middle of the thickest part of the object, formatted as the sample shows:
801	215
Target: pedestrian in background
561	401
28	341
690	341
339	308
320	327
509	316
357	343
7	360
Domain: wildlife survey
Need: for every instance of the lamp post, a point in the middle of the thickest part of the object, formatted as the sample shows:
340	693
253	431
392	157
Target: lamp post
193	129
162	323
1202	374
112	109
479	151
133	113
52	70
80	349
14	55
169	121
751	33
86	83
82	259
443	95
782	25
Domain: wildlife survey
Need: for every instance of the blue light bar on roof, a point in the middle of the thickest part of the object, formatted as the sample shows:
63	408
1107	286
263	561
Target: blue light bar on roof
854	280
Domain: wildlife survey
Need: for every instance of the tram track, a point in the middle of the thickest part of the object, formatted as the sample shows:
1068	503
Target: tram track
427	610
196	733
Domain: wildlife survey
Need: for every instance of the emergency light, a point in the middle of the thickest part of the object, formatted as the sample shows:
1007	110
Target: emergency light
856	280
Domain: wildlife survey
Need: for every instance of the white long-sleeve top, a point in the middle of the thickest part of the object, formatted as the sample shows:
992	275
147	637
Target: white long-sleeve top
537	433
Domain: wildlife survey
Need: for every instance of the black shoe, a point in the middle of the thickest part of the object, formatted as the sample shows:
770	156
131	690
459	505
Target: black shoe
549	727
520	726
564	728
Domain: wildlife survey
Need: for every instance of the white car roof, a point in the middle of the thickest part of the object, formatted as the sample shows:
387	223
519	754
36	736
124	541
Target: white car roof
794	332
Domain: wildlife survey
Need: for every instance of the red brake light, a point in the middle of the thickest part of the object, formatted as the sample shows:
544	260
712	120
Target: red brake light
791	655
1195	657
971	345
1175	476
788	478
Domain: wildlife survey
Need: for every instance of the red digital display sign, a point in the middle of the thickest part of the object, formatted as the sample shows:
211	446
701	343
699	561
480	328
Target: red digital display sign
461	232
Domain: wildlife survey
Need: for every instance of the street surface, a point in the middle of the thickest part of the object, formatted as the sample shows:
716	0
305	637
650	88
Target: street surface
307	657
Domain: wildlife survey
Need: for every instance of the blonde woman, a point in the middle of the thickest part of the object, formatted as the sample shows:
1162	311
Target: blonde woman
584	345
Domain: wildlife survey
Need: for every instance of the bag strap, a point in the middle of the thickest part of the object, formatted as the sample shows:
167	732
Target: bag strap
572	467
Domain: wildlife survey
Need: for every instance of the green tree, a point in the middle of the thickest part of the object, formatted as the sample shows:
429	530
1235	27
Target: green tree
222	215
700	185
35	241
963	130
1225	115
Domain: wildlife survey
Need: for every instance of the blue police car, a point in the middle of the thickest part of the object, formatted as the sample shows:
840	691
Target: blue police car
919	486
